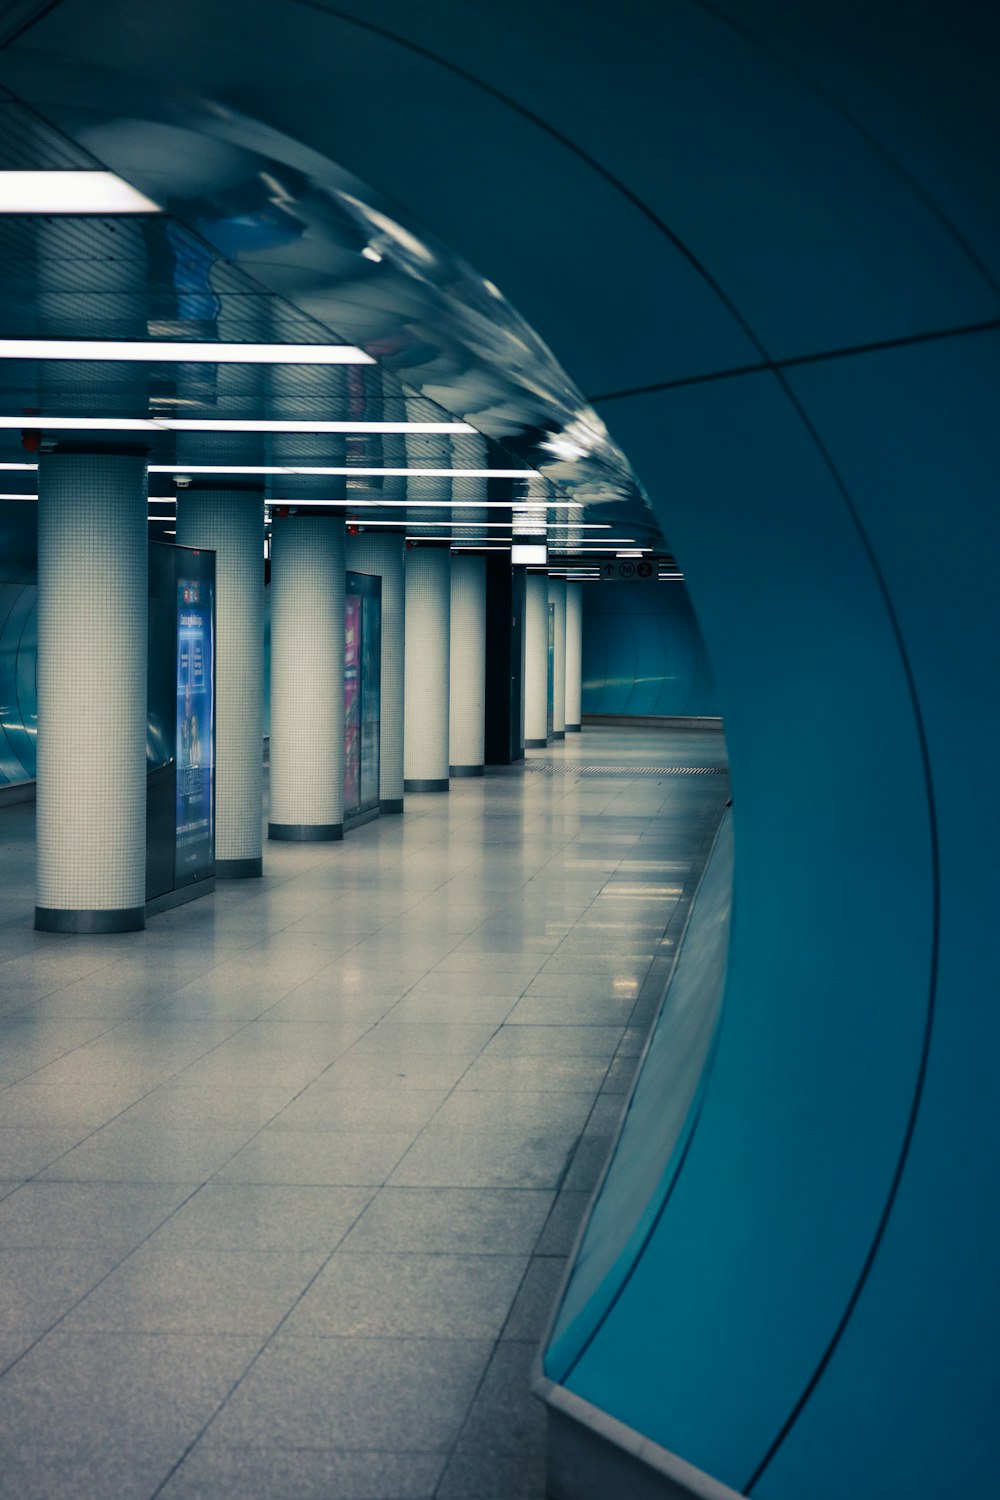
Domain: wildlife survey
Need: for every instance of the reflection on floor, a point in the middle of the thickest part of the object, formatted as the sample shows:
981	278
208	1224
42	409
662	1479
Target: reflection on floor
288	1180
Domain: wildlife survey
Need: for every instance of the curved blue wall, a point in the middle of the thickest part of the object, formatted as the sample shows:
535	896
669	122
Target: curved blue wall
763	234
643	653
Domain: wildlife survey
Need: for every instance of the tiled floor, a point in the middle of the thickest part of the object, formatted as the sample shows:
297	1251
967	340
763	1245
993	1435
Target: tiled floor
287	1182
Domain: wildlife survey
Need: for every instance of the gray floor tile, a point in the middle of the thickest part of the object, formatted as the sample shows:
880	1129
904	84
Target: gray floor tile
218	1107
583	1075
500	1455
109	1216
425	1007
560	1041
405	1070
483	1110
96	1395
371	1295
242	1216
463	986
391	1395
536	1299
25	1150
127	1473
620	1075
563	1223
32	1104
320	1108
212	1472
598	1008
417	1038
196	1291
318	1158
39	1286
483	1221
148	1153
589	1161
499	1159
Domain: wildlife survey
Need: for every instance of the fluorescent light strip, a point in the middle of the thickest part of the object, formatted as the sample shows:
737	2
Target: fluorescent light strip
71	193
544	505
459	540
489	525
352	471
18	468
173	351
217	424
17	495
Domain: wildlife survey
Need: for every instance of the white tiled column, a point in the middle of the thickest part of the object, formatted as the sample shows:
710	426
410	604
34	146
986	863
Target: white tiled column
536	662
307	678
428	650
92	614
467	734
557	598
381	554
231	524
574	657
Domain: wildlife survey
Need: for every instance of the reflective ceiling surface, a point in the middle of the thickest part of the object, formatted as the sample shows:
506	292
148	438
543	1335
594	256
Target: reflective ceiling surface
262	241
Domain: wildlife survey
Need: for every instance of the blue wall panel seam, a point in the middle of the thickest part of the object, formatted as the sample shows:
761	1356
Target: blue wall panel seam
935	940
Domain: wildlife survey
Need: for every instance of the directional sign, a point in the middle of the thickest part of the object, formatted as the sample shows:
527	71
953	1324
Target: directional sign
629	570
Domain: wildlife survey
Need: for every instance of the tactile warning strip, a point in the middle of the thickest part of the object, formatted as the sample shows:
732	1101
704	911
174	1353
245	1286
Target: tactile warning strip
559	768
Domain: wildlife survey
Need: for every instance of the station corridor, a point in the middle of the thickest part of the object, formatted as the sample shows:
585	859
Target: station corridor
289	1178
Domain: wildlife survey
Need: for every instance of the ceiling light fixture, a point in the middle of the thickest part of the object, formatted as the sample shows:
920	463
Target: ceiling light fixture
218	424
173	351
342	471
71	193
455	523
418	504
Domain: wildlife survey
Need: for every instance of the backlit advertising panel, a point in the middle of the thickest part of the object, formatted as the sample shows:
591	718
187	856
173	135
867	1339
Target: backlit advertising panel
362	694
194	849
352	703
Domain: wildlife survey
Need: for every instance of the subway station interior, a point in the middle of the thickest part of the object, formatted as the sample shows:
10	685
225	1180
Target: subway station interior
498	549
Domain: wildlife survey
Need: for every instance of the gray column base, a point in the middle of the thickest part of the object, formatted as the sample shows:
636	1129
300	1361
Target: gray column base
558	734
573	728
181	896
306	833
440	785
121	919
358	820
466	770
536	744
391	805
239	869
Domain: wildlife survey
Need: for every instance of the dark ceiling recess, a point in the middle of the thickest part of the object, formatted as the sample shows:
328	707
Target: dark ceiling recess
18	16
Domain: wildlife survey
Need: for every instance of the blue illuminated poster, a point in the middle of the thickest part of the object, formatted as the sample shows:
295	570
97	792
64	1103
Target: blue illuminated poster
362	671
195	843
352	703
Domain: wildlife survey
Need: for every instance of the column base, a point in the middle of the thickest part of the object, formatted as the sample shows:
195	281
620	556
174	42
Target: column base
391	805
558	734
439	784
306	833
574	728
536	744
466	770
239	869
358	819
120	919
180	896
